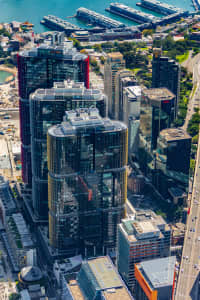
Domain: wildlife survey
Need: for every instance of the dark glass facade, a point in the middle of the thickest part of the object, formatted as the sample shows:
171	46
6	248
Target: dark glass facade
40	68
166	73
156	113
47	108
172	162
87	182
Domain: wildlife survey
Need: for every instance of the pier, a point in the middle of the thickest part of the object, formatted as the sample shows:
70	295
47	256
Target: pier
59	24
97	19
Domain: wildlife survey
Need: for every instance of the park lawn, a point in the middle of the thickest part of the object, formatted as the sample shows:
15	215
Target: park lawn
181	58
136	70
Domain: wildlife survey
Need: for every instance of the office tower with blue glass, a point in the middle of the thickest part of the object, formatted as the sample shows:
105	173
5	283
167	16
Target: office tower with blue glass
47	108
87	182
53	61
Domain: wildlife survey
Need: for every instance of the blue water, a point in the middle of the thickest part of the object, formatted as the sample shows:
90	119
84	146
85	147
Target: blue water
34	10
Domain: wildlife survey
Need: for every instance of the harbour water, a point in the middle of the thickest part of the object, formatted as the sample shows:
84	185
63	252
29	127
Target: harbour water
34	10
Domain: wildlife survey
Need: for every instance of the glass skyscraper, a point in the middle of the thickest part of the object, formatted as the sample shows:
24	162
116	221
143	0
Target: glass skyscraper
47	108
172	160
40	67
156	113
87	182
166	73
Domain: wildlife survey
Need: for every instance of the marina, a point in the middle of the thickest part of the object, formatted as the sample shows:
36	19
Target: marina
131	13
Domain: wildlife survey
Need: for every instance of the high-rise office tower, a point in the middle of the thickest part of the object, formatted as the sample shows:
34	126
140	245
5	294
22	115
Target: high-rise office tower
166	73
172	160
156	113
113	64
131	116
47	108
147	236
87	182
40	67
123	78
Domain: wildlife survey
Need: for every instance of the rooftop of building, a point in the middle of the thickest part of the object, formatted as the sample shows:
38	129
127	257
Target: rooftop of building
164	5
68	264
134	11
177	192
136	230
54	46
158	272
105	278
133	91
30	274
68	88
158	94
83	118
75	290
146	224
101	17
115	55
174	134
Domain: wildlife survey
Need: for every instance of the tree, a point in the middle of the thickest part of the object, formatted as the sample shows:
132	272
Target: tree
14	296
97	47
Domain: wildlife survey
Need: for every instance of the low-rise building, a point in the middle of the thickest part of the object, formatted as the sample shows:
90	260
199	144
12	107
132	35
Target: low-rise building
98	279
154	279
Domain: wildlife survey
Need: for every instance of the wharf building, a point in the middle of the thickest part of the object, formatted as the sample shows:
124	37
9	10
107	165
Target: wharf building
114	62
131	13
87	182
59	24
40	67
98	279
95	18
160	7
156	114
47	108
172	163
166	73
147	236
155	279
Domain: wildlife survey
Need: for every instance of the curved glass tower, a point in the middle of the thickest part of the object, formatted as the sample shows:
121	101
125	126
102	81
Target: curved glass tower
87	183
40	67
47	108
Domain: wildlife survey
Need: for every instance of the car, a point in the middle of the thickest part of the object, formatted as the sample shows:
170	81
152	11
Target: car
182	270
195	266
193	230
187	257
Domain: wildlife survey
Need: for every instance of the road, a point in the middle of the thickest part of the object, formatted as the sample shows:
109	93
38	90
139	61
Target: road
188	279
193	66
188	287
